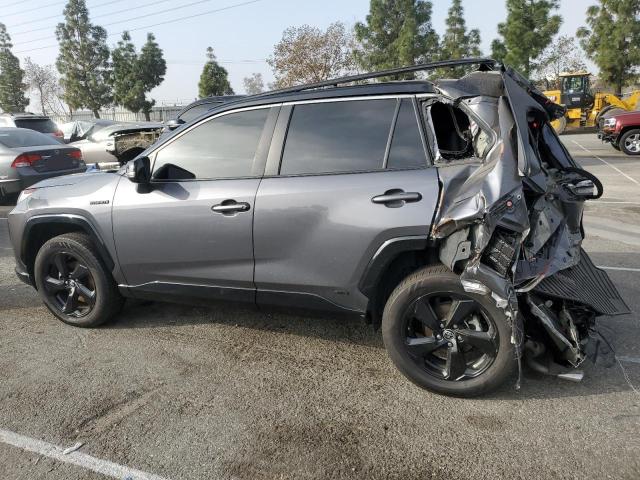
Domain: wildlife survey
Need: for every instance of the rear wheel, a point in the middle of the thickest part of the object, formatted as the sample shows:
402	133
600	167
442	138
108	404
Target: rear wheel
630	142
445	339
73	283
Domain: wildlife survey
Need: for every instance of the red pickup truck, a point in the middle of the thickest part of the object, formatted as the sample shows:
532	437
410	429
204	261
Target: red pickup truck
622	131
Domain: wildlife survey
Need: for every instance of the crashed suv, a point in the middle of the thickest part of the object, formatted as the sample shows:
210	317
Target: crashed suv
446	212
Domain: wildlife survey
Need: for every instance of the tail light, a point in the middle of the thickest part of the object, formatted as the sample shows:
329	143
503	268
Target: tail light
58	133
26	160
77	154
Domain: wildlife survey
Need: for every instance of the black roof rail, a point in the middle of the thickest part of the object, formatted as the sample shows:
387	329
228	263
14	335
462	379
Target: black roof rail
484	64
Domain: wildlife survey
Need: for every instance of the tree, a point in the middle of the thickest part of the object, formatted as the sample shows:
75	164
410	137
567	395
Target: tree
152	68
397	33
612	40
134	75
12	86
457	42
253	84
83	61
308	54
526	33
43	80
563	55
214	78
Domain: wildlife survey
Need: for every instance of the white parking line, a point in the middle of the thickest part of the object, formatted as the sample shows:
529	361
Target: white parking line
607	163
83	460
622	269
622	358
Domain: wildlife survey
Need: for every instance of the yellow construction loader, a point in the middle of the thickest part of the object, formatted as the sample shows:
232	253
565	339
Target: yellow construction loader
584	106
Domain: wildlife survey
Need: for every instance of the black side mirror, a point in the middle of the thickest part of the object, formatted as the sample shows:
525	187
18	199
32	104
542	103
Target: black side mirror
174	123
139	170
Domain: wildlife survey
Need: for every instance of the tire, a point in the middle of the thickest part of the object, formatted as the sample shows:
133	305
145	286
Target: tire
630	142
69	274
401	314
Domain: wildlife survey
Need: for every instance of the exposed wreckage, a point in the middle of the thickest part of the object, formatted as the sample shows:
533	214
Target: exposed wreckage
512	225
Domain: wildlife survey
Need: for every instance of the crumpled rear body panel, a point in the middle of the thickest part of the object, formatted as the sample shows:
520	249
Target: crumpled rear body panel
519	210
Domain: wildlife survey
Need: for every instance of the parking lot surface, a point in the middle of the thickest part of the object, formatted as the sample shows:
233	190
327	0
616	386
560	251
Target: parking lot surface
180	392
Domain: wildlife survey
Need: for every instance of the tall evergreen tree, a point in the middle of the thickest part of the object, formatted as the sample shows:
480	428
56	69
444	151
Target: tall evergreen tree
529	28
134	75
457	42
83	61
12	85
396	33
151	67
214	78
612	40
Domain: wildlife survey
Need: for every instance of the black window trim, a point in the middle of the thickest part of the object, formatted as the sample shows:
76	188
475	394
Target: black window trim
276	154
261	150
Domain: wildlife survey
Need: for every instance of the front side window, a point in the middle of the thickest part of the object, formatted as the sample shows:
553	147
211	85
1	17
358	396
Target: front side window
224	147
336	137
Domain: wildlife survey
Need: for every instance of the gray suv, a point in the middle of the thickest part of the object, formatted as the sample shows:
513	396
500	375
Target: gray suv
448	213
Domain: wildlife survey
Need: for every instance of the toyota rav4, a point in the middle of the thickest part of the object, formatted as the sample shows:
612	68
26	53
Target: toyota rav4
446	212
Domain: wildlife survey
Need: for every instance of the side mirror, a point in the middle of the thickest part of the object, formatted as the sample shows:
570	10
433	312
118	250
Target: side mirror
174	123
139	170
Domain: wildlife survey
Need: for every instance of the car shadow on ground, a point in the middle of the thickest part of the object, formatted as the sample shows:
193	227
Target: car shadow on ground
597	380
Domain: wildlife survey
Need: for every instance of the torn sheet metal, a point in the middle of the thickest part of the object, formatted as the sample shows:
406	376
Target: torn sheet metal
517	212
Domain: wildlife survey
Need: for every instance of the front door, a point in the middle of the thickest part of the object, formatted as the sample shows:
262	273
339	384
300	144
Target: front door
190	234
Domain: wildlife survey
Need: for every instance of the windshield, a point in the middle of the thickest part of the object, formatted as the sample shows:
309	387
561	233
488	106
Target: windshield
20	137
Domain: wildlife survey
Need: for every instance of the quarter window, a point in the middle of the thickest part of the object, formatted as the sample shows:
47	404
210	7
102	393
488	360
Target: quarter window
224	147
337	137
407	150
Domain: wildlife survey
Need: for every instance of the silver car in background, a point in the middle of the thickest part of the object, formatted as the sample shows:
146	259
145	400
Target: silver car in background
27	156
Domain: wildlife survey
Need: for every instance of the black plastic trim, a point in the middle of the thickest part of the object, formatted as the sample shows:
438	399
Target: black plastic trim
383	257
71	219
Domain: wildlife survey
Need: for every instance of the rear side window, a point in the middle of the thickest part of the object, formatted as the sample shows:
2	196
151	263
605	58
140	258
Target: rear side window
25	138
224	147
196	111
407	150
337	137
43	125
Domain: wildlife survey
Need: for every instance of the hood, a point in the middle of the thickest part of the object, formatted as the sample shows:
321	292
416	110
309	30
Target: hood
74	180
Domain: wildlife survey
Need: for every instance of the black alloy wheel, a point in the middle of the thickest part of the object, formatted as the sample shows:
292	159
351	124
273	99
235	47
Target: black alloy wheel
69	285
450	336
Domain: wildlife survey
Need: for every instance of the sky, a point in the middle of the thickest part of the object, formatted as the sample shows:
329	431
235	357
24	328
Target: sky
242	32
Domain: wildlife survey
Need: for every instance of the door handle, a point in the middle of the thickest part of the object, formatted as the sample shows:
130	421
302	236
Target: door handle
229	207
397	198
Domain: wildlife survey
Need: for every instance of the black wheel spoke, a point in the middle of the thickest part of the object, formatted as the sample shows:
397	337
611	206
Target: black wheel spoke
71	303
459	311
61	265
424	345
455	365
424	312
54	284
483	341
88	295
79	272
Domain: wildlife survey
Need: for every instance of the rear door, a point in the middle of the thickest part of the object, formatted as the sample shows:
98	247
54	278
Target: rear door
342	178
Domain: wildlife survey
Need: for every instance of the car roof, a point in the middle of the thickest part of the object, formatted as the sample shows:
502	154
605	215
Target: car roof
407	87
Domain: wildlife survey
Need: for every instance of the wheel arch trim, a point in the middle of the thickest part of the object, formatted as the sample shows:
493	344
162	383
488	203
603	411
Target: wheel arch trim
70	219
384	256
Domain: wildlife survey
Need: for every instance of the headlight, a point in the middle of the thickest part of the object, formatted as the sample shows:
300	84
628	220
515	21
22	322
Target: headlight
609	122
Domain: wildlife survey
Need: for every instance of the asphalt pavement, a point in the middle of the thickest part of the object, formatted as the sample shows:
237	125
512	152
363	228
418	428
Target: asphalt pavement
175	392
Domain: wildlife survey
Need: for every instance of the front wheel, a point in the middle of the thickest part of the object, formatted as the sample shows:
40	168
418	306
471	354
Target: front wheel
445	339
73	282
630	142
